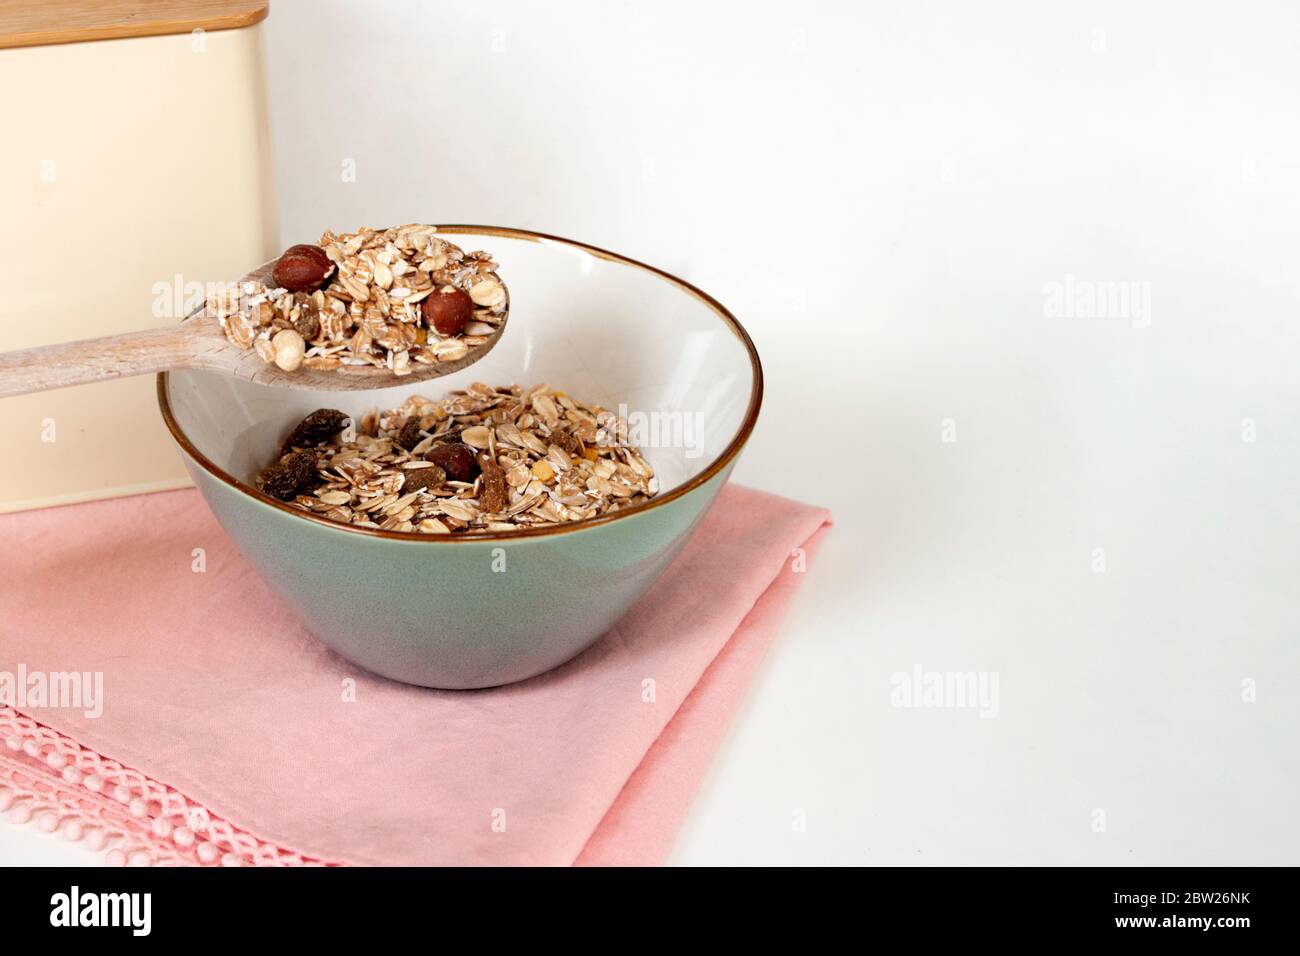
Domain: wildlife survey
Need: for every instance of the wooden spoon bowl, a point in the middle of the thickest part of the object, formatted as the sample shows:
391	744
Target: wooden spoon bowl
199	342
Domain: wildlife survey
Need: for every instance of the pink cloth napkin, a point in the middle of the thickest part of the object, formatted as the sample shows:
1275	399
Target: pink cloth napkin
228	734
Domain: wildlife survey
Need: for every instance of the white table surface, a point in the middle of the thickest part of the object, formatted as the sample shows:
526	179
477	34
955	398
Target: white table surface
885	197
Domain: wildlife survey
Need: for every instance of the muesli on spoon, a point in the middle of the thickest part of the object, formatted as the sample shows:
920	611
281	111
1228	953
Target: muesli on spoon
388	299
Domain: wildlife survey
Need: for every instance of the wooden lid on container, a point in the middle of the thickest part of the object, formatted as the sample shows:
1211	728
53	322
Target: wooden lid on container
46	22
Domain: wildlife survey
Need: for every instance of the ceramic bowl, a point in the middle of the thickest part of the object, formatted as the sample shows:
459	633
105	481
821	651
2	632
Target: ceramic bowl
464	611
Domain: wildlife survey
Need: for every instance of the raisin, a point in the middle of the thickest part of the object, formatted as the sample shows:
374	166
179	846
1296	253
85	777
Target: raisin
410	435
294	473
494	495
315	428
307	324
419	479
456	459
566	441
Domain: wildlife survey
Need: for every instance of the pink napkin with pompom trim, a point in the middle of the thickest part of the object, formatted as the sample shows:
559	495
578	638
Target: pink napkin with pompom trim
229	735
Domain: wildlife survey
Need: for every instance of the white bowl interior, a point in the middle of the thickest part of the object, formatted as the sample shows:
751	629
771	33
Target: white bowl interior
604	331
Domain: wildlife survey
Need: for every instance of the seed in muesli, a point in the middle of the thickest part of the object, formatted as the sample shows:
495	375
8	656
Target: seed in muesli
385	299
480	459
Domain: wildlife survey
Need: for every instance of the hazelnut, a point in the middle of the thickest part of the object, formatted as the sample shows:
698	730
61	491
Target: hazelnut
302	268
289	348
447	310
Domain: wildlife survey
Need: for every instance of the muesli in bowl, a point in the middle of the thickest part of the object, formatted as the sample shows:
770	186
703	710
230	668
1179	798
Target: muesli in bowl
479	459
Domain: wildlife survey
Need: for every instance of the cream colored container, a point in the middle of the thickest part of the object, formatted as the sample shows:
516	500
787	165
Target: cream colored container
135	170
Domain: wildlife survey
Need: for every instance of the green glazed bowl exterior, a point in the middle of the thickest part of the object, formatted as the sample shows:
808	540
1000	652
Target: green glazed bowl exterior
478	614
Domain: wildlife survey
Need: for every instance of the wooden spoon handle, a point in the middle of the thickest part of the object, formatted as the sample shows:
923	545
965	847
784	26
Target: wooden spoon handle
93	360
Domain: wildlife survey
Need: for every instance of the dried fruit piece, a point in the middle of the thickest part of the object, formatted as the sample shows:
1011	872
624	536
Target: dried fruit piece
566	441
422	478
456	459
292	474
494	494
302	268
320	425
307	324
447	310
410	435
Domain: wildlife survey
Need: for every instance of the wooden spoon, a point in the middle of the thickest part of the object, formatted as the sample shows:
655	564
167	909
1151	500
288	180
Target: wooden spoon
198	342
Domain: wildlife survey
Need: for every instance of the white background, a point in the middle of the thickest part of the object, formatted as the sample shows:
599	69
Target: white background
884	193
